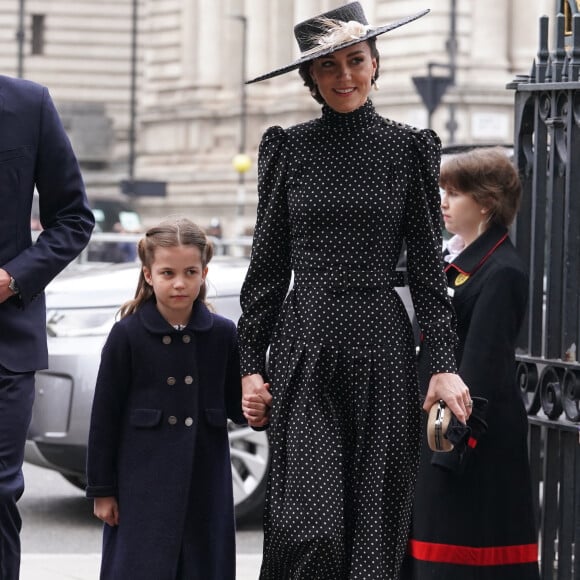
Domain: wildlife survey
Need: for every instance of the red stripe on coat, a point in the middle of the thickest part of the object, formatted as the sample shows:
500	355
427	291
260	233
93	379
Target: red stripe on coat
470	556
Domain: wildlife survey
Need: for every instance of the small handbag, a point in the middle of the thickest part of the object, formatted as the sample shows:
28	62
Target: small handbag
438	426
445	431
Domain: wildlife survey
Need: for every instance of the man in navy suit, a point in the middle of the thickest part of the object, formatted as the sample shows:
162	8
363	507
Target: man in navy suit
34	153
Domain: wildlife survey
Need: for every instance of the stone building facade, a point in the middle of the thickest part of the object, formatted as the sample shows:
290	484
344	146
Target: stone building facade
185	113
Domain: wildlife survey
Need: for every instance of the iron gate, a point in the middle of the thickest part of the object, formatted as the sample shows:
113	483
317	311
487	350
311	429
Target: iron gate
547	153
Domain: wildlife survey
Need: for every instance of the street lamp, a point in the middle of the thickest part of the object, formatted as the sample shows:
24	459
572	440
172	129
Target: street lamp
431	88
241	161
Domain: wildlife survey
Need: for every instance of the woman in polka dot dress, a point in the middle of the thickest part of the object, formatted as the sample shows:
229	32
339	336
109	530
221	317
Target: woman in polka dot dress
337	197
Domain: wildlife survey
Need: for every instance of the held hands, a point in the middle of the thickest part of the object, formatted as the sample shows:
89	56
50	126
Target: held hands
256	400
451	388
107	510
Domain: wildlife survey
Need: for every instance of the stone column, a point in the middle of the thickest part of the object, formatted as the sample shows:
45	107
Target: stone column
259	43
189	26
524	32
489	40
208	27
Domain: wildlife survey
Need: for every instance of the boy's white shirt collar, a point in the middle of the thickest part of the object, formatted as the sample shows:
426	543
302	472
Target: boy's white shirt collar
454	246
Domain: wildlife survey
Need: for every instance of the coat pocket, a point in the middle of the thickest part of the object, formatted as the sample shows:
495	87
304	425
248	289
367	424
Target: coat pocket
145	418
216	417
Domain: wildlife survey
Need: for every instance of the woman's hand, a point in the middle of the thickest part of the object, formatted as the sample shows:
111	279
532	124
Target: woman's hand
450	388
107	510
256	400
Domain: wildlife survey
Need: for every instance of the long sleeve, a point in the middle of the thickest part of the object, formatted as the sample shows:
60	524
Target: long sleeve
113	381
233	386
66	217
488	354
427	280
269	273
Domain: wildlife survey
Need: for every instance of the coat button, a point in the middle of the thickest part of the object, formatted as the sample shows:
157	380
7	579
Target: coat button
188	422
188	380
170	381
186	338
166	340
172	420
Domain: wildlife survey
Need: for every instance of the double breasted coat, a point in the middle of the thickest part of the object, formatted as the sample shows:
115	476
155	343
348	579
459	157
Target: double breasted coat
159	443
473	517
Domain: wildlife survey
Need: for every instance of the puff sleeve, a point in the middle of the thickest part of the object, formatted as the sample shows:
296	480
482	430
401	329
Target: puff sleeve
269	273
427	280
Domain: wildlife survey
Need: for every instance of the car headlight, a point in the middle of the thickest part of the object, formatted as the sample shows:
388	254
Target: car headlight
61	322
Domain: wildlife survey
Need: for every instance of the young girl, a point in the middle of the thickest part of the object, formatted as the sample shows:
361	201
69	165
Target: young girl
158	456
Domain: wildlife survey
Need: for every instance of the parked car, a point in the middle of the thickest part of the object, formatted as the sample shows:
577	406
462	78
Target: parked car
81	307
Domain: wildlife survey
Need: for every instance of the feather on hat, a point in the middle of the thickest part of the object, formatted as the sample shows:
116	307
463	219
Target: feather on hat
332	31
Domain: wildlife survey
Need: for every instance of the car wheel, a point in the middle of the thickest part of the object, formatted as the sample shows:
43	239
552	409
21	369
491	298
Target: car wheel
249	451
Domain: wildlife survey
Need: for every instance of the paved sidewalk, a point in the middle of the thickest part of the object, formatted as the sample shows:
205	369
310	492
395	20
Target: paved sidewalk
86	566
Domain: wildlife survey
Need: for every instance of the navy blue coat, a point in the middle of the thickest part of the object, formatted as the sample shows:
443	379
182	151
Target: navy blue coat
159	443
474	519
35	151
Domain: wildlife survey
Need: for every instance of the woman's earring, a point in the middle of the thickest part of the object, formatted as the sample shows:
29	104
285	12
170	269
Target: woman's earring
374	83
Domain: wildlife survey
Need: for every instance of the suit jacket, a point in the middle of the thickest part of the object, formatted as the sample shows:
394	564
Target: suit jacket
35	152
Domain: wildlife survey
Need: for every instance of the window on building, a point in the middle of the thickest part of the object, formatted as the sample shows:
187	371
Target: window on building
568	8
38	22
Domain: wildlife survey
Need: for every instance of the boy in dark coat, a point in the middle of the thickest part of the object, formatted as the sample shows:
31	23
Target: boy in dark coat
473	513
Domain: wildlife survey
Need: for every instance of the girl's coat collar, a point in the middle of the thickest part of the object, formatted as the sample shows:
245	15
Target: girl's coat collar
476	254
201	318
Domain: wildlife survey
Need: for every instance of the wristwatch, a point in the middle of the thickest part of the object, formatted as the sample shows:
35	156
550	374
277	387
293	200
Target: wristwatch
13	286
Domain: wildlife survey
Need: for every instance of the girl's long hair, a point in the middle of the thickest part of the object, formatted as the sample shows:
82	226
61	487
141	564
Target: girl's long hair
169	233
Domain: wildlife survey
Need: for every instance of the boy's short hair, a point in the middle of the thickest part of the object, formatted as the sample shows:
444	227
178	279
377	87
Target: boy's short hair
489	177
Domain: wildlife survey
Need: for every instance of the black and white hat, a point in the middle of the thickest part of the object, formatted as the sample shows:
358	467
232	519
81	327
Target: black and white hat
334	30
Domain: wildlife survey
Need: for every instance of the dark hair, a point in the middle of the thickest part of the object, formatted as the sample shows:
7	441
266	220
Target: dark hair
304	70
169	233
489	177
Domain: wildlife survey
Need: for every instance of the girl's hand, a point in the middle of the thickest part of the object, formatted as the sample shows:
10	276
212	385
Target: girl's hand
450	388
256	400
255	410
107	510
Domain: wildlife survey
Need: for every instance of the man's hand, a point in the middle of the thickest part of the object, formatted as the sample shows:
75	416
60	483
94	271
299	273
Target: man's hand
5	292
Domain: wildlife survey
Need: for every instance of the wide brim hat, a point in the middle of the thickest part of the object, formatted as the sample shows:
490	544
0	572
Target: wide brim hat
332	31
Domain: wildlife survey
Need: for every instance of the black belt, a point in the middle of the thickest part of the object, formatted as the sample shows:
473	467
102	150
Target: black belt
330	280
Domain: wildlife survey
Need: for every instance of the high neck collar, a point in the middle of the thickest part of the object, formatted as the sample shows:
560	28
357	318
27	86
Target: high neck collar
355	120
474	255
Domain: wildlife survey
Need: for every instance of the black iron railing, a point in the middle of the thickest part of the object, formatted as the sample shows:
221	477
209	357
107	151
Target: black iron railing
547	152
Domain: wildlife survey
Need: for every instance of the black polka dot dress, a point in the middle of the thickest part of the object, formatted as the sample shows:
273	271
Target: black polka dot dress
337	197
